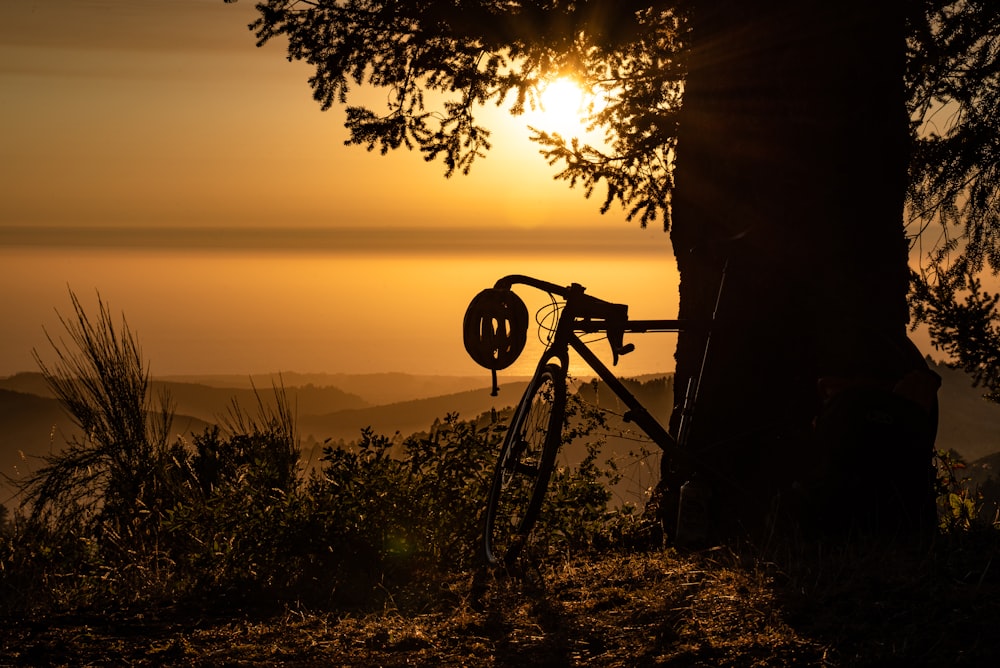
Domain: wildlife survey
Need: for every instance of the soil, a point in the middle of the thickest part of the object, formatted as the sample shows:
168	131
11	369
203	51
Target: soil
805	607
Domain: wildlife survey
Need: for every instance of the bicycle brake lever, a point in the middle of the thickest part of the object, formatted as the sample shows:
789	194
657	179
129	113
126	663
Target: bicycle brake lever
616	332
618	347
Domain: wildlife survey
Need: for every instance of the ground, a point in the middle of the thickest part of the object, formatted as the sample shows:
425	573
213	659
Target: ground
793	606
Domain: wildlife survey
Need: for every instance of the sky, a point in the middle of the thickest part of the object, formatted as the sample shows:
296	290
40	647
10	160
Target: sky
152	157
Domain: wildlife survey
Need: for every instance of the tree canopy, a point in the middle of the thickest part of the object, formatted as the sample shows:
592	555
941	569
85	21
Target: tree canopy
953	81
443	62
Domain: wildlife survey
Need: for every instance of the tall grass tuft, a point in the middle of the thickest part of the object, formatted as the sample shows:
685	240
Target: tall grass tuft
112	474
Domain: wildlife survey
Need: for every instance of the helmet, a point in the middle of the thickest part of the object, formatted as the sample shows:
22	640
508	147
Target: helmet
495	328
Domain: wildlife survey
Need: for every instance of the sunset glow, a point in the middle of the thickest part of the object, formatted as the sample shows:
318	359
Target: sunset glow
141	137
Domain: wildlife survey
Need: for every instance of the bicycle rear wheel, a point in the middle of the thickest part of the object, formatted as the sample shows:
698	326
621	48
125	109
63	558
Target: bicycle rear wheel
524	467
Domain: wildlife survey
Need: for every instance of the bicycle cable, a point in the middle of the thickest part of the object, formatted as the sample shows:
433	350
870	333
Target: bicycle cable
547	319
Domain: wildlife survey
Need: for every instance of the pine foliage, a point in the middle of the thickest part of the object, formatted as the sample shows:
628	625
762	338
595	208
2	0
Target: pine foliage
440	64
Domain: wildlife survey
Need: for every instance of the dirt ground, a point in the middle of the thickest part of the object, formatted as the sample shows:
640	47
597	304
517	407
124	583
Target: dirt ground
658	608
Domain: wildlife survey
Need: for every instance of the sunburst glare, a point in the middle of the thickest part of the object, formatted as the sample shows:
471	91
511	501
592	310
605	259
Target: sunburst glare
563	106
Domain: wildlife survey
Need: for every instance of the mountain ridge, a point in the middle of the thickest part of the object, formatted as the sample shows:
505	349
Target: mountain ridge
32	422
377	389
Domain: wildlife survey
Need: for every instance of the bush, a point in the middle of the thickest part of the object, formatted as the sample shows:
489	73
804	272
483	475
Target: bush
957	504
122	516
227	530
378	519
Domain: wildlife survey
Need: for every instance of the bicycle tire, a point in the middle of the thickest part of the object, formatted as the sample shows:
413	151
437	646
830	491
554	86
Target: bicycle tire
524	468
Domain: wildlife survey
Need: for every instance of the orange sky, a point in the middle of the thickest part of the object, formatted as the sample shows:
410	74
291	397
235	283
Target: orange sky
123	112
155	116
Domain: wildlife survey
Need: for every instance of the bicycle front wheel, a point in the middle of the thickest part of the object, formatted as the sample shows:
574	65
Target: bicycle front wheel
524	467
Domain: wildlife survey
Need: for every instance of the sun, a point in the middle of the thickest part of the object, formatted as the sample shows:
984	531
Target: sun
562	108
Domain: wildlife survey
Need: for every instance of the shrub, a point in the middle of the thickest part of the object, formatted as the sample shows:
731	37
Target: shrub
957	504
377	519
121	515
228	528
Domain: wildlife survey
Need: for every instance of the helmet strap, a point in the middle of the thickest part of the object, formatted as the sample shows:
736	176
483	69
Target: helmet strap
496	388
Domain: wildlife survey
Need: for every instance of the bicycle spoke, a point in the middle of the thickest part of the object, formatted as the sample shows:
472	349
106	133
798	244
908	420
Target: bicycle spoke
530	470
523	472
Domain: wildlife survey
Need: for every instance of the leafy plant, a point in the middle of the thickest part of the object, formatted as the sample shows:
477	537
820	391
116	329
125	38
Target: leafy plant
958	504
241	500
383	518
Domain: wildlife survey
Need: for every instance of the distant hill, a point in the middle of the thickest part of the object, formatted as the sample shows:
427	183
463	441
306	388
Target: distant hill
27	383
32	426
968	423
32	422
408	417
209	403
338	406
376	389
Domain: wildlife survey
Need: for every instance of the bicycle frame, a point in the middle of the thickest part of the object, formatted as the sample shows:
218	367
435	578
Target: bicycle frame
584	313
533	438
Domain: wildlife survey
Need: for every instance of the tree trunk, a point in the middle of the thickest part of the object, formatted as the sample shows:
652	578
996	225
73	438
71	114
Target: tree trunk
791	173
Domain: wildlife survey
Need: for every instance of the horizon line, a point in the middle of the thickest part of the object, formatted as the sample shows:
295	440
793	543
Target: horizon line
374	240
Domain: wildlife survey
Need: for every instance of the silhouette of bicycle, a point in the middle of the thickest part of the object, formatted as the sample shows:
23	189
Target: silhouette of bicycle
495	332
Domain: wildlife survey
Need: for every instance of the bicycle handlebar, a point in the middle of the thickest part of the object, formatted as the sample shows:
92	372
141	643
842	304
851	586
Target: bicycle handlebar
604	311
586	306
591	315
509	281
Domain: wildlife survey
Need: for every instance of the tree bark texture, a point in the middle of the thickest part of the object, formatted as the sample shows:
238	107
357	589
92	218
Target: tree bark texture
791	173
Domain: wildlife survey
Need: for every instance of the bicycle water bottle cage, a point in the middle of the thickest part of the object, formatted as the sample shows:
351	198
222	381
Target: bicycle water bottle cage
495	328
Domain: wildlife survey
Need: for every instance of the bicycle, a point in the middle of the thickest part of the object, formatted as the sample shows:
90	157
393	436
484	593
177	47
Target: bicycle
495	329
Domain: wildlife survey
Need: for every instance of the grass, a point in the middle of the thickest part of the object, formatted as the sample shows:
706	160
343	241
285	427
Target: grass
875	605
